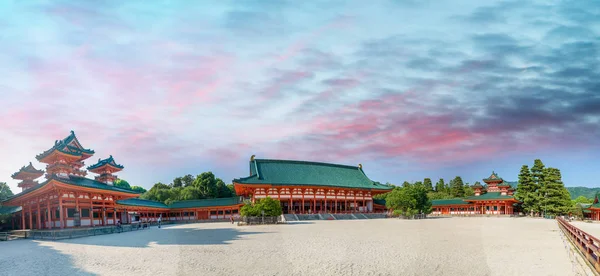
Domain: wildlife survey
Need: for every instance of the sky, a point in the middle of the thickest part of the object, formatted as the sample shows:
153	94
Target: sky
408	89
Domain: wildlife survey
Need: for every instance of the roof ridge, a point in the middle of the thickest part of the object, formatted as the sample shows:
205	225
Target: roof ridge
307	162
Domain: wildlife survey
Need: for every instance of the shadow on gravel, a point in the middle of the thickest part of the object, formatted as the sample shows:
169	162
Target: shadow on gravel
165	236
28	257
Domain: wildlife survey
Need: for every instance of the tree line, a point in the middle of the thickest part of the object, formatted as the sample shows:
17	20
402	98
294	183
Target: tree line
203	186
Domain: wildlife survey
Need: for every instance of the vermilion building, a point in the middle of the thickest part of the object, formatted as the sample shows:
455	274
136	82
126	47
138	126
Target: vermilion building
69	199
311	187
495	198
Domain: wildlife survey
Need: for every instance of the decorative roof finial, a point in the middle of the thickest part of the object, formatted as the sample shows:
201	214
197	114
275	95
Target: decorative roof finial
72	132
360	166
252	157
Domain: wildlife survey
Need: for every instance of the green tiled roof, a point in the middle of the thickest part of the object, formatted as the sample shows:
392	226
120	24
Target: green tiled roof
453	201
90	183
304	173
28	169
142	202
107	161
493	177
64	147
4	210
379	201
213	202
78	181
490	195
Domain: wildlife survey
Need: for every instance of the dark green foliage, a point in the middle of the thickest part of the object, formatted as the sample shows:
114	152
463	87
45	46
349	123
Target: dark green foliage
457	188
527	191
270	207
582	191
469	190
5	191
409	200
138	189
204	186
440	186
555	198
122	184
405	184
428	184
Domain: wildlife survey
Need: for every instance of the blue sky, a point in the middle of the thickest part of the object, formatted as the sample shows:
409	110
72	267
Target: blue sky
410	89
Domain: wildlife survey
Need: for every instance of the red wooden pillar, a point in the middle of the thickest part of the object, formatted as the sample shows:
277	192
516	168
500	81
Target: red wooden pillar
60	212
314	201
302	209
91	210
355	209
30	217
22	217
49	213
39	214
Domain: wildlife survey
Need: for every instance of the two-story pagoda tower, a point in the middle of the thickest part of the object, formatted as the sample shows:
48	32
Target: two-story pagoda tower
65	157
105	168
27	175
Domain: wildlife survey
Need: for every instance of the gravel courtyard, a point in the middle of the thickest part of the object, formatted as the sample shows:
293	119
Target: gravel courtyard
437	246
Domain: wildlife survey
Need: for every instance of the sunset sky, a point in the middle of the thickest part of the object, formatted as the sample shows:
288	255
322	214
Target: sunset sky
409	89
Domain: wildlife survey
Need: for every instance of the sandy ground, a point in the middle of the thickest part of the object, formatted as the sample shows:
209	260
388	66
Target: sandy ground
440	246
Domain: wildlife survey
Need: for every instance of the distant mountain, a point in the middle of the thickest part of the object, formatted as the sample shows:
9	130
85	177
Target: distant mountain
582	191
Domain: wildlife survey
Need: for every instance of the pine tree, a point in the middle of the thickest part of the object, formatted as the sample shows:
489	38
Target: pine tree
428	184
538	180
556	200
439	186
526	191
457	187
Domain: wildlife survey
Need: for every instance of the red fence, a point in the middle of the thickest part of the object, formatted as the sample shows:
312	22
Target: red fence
587	244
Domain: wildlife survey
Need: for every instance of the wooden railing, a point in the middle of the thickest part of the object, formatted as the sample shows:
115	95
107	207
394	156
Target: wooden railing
587	244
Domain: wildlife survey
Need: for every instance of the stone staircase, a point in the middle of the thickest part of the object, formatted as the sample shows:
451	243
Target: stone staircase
290	217
329	216
343	216
375	216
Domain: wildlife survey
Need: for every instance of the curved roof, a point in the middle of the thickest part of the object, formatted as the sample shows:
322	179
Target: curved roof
29	169
305	173
108	161
69	145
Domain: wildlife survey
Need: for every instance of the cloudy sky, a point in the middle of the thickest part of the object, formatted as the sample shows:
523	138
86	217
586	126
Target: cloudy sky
410	89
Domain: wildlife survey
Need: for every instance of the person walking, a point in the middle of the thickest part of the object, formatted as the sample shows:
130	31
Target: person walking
159	220
231	219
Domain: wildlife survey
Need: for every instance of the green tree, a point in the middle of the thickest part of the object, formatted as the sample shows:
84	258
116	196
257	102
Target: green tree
207	183
138	189
440	186
222	189
231	189
408	201
556	200
401	201
5	191
159	192
405	184
527	191
188	180
469	190
270	207
428	184
177	182
189	193
457	187
582	200
121	183
537	178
